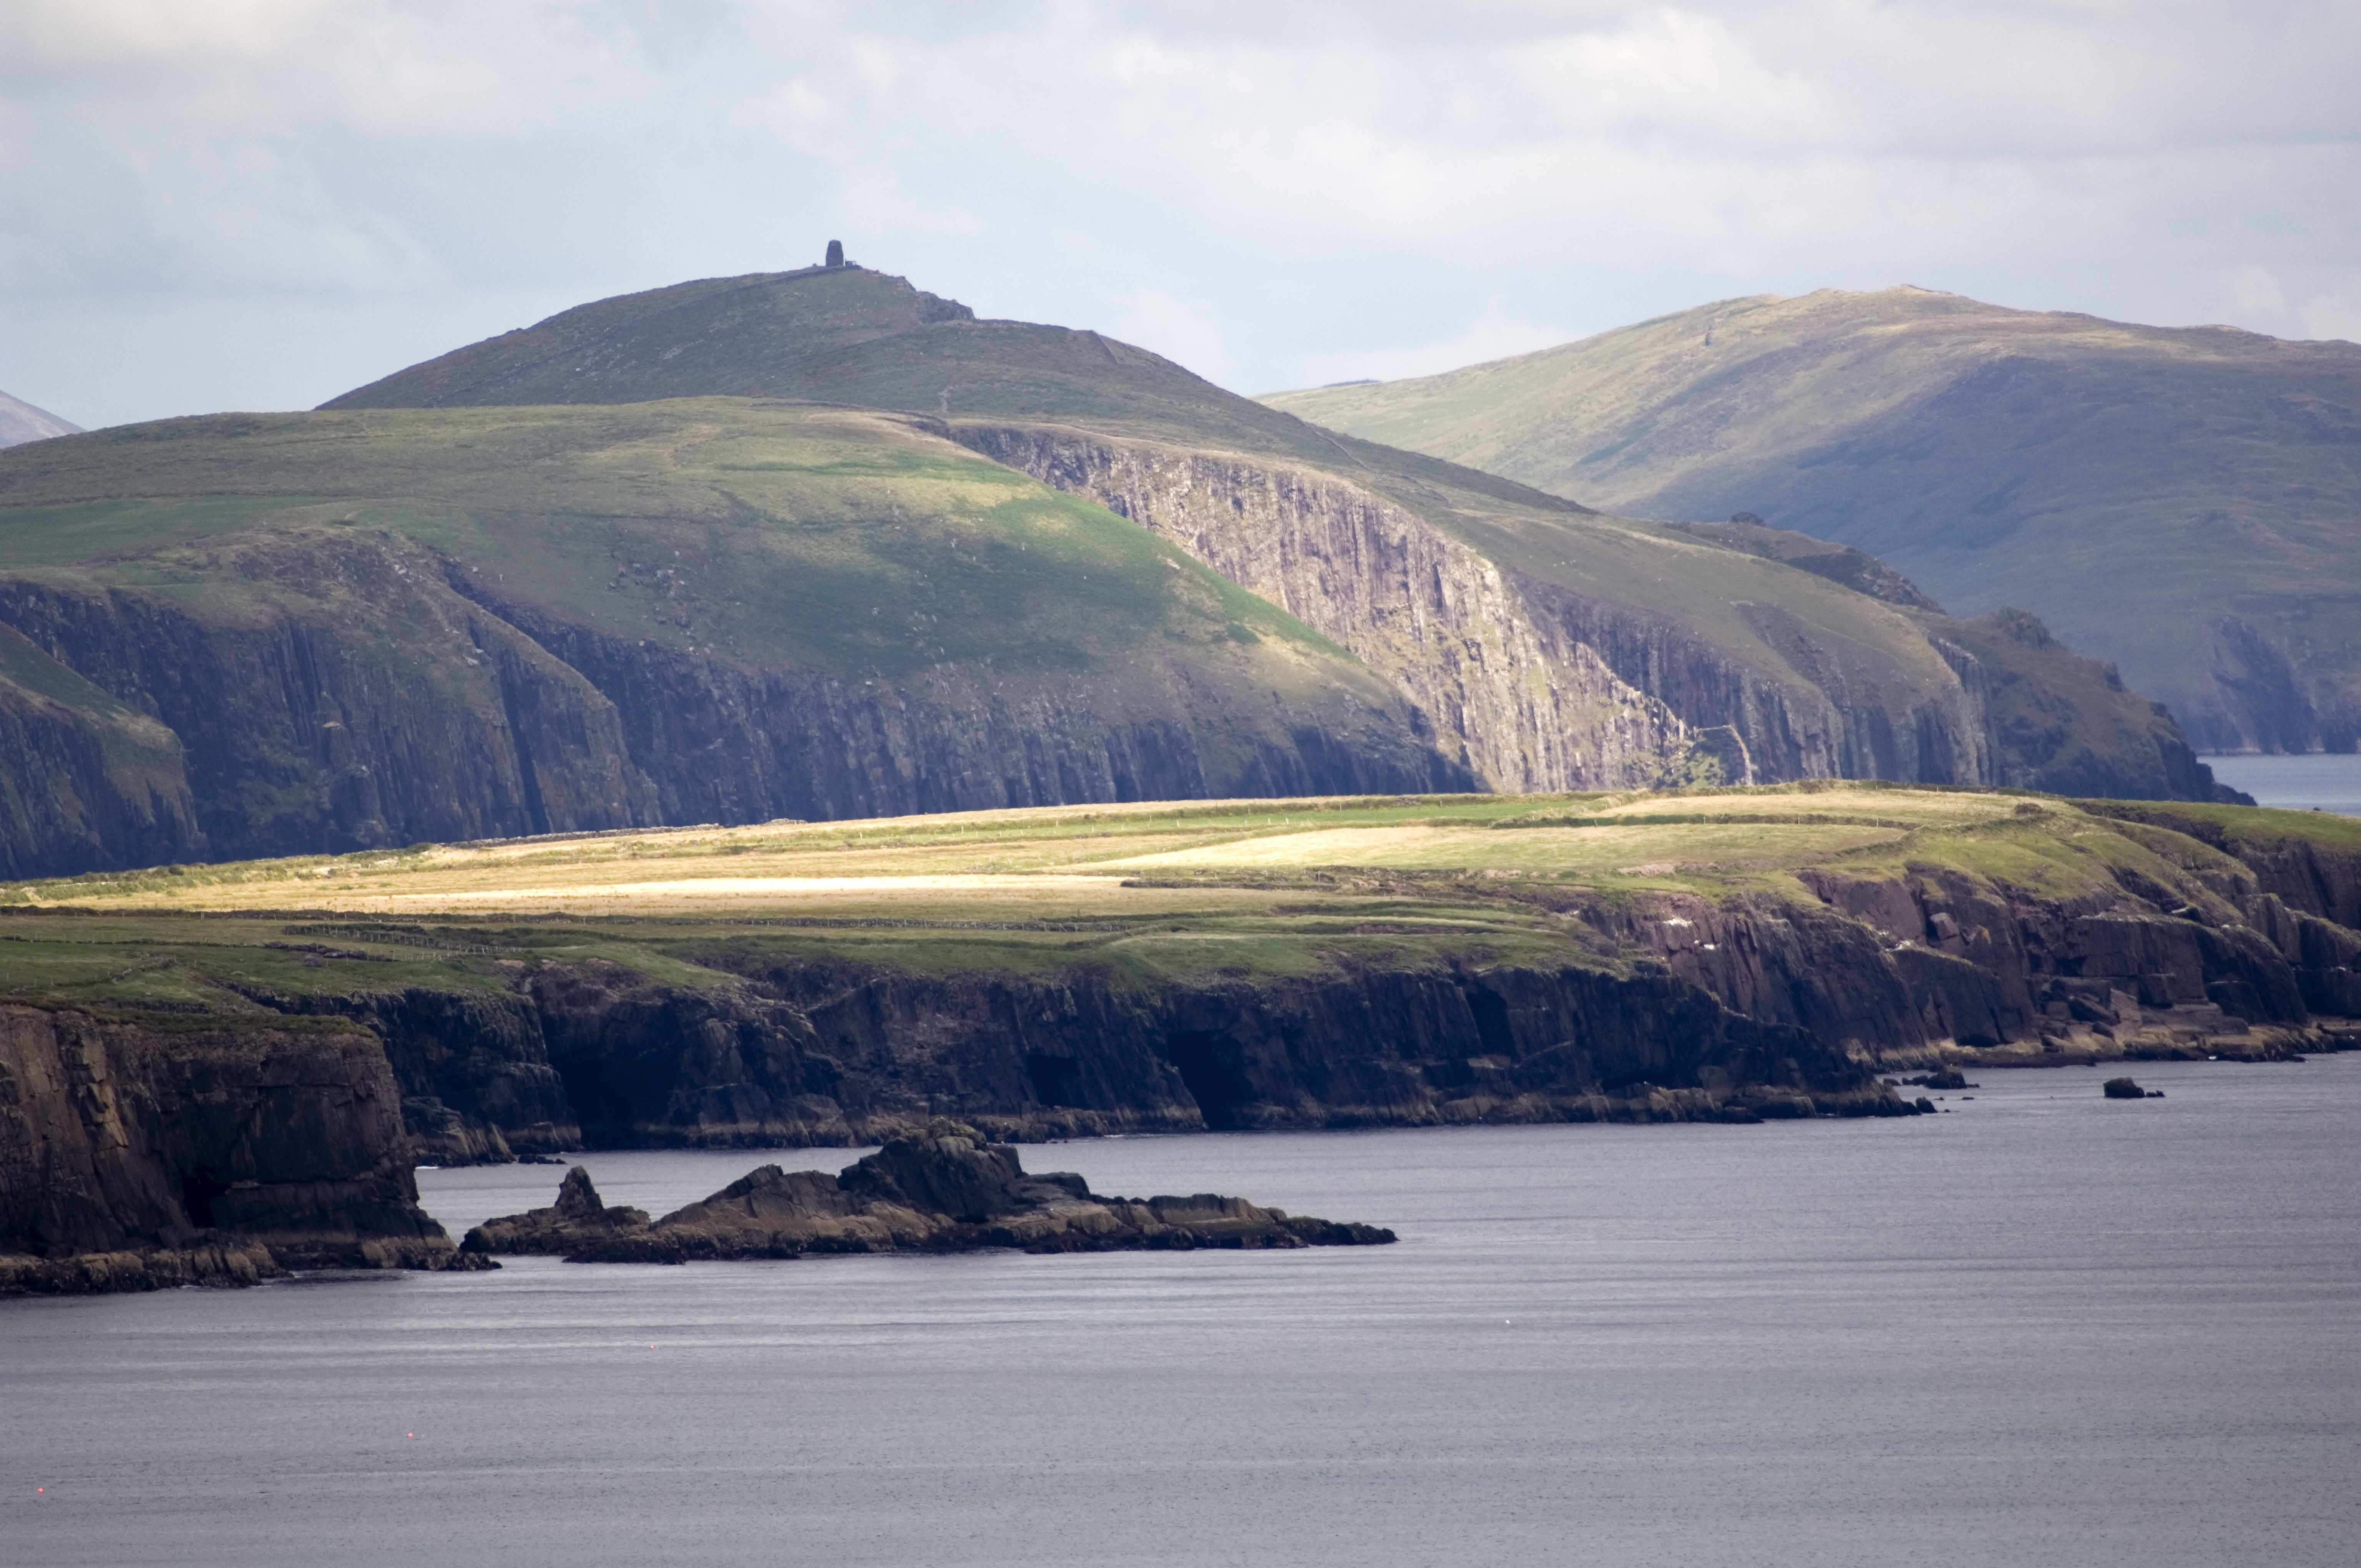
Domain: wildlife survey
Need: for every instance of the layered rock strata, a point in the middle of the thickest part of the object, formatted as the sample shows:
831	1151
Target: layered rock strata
137	1155
1537	685
944	1189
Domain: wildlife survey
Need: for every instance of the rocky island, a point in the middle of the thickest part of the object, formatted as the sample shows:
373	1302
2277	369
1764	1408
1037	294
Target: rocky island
944	1189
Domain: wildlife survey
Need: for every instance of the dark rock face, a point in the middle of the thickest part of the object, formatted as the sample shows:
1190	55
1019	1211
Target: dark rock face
407	702
722	744
89	784
309	732
2123	1089
827	1052
207	1155
945	1189
476	1084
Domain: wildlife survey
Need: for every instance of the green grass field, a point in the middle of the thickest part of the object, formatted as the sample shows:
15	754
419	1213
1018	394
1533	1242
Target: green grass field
1154	892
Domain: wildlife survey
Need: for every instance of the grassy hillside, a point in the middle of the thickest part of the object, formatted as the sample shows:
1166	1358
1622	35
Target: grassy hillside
2182	503
372	628
1776	647
834	540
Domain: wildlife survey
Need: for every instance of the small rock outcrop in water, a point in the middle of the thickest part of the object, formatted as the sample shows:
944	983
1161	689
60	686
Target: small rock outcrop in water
944	1189
2125	1088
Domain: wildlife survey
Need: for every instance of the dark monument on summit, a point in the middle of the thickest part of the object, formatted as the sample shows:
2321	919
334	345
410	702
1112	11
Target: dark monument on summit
836	253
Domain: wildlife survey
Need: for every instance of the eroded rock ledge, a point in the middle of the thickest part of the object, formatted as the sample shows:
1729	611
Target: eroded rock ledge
945	1189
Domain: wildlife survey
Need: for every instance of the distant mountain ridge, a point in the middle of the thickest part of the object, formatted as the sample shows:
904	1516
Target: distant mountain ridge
20	421
2184	502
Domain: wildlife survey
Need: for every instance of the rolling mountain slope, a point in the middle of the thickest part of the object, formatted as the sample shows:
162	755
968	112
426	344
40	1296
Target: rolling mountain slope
2185	503
259	634
1546	646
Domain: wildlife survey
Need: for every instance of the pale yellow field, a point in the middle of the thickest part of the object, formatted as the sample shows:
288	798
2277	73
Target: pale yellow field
1059	862
1533	850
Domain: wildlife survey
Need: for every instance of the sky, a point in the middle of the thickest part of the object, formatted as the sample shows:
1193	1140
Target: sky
212	204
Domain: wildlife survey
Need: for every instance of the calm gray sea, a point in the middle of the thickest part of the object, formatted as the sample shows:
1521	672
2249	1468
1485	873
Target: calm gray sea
2320	781
2045	1328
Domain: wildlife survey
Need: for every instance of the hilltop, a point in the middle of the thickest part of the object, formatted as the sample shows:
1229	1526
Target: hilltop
2178	501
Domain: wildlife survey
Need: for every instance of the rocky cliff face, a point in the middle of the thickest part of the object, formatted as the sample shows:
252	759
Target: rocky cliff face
720	743
90	784
803	1051
353	700
1750	1006
1540	686
1525	705
134	1156
332	690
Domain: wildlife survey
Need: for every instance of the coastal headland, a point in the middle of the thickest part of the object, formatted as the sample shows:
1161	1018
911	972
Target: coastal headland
201	1065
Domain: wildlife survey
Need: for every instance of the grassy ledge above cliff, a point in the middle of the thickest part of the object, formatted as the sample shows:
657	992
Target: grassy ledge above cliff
1292	962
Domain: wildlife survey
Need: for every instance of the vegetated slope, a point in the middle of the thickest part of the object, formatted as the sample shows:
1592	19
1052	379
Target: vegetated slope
20	421
1545	646
250	635
2183	502
1708	954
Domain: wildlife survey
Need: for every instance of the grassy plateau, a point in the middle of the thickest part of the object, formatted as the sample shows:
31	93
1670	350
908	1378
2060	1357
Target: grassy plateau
1160	892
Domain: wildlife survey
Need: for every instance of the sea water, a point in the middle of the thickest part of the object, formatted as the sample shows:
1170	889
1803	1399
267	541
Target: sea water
2044	1327
2317	782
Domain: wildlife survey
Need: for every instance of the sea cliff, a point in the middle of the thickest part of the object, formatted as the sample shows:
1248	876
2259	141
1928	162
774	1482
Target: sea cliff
136	1155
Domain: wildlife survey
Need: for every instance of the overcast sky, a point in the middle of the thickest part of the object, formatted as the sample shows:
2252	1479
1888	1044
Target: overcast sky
213	204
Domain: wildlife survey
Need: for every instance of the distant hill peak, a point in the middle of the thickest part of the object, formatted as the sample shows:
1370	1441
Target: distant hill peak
2177	501
20	421
746	332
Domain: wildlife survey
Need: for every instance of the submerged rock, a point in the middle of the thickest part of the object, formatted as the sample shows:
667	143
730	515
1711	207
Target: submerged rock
943	1189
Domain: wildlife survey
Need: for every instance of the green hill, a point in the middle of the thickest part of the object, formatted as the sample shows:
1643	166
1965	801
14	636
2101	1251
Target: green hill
348	630
2182	503
719	554
1546	646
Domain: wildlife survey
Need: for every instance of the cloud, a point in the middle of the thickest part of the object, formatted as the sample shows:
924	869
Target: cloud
1273	194
2256	290
2336	313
